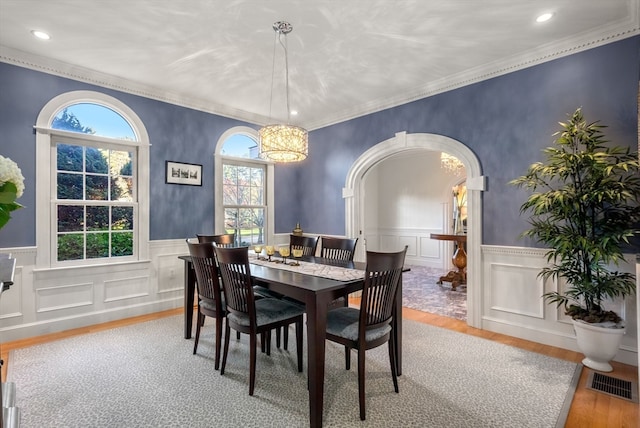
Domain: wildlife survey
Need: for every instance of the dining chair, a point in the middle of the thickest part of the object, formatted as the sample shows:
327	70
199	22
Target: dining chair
338	248
370	326
249	315
307	243
223	240
341	249
210	298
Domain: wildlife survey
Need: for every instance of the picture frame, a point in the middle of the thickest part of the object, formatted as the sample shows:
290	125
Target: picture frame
183	173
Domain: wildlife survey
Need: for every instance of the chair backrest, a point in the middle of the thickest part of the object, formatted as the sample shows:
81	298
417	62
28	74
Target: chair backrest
224	240
382	276
236	280
207	279
307	243
338	248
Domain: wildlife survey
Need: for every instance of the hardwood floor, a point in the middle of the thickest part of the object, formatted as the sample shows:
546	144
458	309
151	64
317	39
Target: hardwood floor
589	409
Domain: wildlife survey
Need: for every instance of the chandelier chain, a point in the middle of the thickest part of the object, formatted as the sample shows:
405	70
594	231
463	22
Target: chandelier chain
286	71
273	73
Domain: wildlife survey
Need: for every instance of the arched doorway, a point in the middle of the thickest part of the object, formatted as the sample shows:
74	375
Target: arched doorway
354	199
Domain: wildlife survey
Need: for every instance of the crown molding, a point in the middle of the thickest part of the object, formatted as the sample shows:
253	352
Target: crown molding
618	31
604	35
104	80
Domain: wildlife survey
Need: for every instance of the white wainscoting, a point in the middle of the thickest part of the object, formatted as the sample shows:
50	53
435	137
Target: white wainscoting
50	300
512	303
421	251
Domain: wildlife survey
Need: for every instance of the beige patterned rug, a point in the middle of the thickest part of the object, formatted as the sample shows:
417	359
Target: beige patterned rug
145	375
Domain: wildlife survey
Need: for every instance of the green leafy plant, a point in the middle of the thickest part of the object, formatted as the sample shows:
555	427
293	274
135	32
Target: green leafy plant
584	207
11	188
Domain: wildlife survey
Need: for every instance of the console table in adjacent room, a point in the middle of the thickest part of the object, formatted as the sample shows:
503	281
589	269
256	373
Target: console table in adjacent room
459	259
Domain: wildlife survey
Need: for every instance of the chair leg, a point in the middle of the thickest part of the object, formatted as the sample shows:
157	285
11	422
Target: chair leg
278	338
299	327
285	337
252	362
347	357
268	342
361	358
347	351
392	361
227	333
218	341
199	322
237	335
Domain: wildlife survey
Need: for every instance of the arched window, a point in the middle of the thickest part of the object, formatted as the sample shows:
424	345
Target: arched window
98	163
94	119
244	188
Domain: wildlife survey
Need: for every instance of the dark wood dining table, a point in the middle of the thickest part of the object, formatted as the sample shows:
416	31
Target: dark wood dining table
316	293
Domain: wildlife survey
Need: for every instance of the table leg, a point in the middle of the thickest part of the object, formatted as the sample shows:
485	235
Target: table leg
316	334
189	290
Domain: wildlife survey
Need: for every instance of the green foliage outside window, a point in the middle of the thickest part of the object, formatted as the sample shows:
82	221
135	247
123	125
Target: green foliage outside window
86	175
243	196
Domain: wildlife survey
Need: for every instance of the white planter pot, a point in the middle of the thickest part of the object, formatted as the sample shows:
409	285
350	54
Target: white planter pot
598	344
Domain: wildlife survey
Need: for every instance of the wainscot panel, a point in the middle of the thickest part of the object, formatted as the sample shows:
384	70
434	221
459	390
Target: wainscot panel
516	289
64	297
512	301
127	288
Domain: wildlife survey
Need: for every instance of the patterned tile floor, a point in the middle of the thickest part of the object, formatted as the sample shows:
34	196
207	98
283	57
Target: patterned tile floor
420	291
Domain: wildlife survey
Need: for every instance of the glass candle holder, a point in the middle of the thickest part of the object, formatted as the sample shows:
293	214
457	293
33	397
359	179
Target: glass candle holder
270	250
257	249
297	254
284	253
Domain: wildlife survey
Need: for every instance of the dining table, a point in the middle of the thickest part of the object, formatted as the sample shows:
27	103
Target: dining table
316	292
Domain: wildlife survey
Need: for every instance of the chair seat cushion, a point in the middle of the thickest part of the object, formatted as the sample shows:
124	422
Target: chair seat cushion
343	322
211	305
269	311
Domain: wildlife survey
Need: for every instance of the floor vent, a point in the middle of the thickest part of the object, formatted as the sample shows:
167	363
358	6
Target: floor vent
620	388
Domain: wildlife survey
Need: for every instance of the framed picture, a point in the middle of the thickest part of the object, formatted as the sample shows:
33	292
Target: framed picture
183	173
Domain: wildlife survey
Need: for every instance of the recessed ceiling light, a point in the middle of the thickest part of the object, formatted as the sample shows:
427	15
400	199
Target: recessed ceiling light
544	17
40	34
294	112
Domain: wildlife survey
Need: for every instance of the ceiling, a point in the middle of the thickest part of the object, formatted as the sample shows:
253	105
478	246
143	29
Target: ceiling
347	58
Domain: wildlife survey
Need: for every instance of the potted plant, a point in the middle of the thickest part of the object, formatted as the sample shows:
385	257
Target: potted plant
584	207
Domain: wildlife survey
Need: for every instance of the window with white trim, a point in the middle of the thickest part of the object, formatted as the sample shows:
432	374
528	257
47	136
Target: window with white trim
94	182
95	203
245	188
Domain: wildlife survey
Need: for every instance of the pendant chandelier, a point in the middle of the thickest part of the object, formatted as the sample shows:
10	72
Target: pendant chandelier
451	164
283	142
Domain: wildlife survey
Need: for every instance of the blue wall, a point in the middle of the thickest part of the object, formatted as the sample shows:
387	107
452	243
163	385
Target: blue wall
176	133
506	121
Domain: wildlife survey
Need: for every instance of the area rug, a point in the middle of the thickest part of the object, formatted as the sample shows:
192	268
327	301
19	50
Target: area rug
145	375
421	291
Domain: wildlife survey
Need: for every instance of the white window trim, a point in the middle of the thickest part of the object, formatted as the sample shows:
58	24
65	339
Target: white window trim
218	193
44	259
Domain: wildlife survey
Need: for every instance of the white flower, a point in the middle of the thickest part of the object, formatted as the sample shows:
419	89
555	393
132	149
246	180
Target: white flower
9	171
